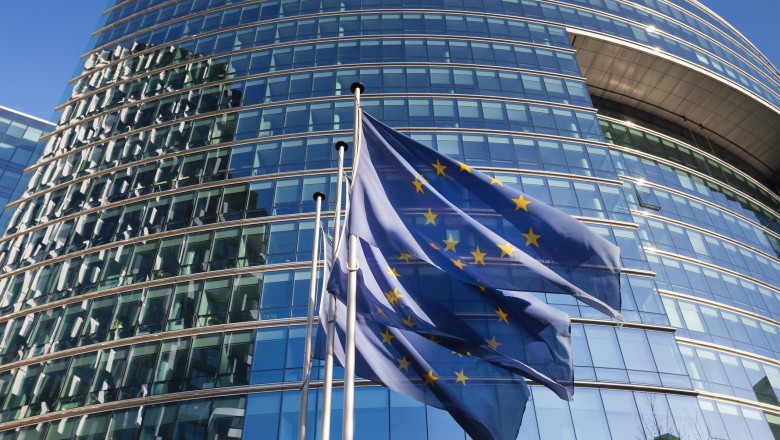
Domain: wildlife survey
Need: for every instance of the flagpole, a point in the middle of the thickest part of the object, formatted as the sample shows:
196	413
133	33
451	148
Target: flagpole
307	359
327	388
348	423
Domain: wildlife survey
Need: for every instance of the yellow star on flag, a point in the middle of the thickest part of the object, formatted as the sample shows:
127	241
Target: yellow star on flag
464	167
492	343
521	203
380	311
494	181
405	257
403	364
434	339
430	217
479	257
501	315
433	245
450	244
462	378
430	378
393	272
531	238
459	264
506	249
439	168
387	337
483	289
392	296
408	321
418	186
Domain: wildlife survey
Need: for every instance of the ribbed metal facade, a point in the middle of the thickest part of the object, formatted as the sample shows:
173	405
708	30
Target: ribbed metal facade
155	273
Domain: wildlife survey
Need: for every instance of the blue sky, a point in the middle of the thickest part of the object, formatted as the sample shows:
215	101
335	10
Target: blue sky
41	41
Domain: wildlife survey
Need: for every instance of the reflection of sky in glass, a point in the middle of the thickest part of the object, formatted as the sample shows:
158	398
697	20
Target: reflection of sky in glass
19	136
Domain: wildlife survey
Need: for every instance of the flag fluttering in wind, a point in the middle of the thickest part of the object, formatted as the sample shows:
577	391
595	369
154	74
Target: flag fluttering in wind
425	370
446	257
411	199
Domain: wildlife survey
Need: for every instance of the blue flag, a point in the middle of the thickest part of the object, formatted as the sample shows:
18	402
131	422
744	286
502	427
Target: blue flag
447	256
512	330
410	199
419	362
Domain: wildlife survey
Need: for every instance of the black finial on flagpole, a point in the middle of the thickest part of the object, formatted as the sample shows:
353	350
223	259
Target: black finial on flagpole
341	144
319	195
357	85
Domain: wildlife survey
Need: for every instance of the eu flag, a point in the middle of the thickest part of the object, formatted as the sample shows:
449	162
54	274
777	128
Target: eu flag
412	200
410	364
419	347
512	330
447	256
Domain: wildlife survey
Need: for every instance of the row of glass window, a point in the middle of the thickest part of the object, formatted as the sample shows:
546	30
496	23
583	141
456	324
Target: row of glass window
627	355
430	50
633	24
251	245
269	157
20	131
702	282
593	413
640	302
555	13
214	204
710	24
302	153
718	372
148	13
677	207
192	363
213	44
386	415
344	25
231	359
714	42
337	115
707	248
661	174
600	353
385	80
149	216
248	200
441	112
220	418
206	22
248	297
170	138
712	324
633	137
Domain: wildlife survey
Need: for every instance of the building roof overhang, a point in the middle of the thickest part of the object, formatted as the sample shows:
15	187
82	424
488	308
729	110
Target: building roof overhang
730	115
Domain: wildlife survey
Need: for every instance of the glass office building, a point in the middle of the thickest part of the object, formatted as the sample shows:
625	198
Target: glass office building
19	149
155	271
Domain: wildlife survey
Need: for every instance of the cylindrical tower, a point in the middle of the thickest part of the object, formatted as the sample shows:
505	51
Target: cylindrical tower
156	271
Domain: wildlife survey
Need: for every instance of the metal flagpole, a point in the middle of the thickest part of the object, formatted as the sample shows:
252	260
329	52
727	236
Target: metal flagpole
307	359
327	388
348	424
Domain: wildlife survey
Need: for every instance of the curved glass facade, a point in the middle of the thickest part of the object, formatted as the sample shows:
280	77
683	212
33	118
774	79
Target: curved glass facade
156	269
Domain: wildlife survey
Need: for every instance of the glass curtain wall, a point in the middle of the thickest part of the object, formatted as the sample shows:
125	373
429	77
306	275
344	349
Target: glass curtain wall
158	261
